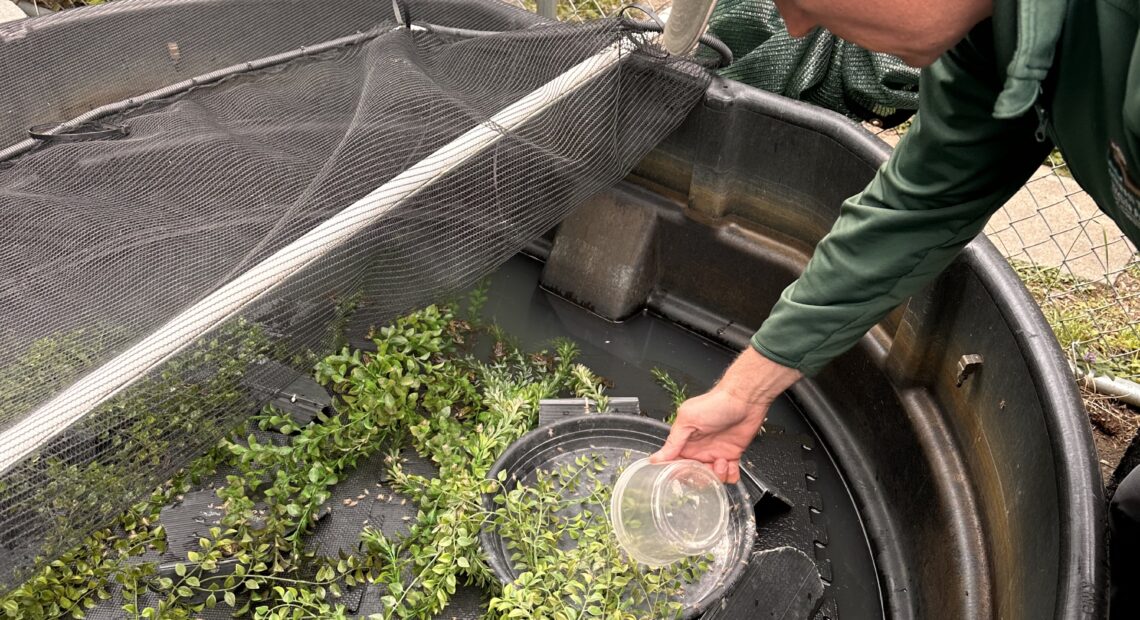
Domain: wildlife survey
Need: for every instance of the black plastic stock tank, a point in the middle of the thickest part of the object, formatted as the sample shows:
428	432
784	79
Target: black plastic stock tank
955	424
953	431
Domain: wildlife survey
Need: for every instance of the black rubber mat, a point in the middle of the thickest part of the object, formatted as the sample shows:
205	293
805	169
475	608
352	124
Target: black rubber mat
788	462
781	584
351	507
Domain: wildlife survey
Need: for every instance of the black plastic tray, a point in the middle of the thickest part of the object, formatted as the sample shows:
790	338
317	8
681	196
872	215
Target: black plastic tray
619	439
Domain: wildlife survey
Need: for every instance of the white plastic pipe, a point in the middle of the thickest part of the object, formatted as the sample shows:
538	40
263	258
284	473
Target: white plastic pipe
1121	389
52	418
687	21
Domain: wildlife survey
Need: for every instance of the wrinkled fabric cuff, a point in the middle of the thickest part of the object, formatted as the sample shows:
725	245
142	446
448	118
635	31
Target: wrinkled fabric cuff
757	343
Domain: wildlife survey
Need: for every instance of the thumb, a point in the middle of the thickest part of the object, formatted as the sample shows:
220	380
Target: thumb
674	444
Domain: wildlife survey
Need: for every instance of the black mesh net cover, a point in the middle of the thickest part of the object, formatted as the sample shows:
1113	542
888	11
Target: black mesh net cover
122	236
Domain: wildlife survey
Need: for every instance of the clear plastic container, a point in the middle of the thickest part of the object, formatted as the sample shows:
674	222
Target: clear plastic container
665	512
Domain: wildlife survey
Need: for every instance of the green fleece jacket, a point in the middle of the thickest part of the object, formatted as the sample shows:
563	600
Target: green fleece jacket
1038	73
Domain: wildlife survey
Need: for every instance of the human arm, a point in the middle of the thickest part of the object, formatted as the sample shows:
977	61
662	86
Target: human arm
717	426
953	169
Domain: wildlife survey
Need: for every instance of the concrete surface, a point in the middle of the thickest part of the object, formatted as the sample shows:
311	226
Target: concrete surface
10	12
1051	221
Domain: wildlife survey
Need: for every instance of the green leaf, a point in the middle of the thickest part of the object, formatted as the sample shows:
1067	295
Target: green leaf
230	598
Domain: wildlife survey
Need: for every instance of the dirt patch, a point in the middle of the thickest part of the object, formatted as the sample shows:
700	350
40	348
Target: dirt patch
1114	424
1095	323
1109	451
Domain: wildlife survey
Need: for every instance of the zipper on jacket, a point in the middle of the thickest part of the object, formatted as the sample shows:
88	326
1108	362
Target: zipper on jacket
1042	132
1042	123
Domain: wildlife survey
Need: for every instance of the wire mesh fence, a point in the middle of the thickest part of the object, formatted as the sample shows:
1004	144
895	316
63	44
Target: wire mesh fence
1082	270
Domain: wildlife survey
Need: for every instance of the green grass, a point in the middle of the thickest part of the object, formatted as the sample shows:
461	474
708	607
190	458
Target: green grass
580	10
1057	162
1094	326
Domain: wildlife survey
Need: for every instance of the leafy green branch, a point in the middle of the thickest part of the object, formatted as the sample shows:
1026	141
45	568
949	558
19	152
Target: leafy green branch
422	390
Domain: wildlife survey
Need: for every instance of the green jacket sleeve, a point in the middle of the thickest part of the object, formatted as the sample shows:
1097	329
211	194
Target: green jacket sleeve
955	166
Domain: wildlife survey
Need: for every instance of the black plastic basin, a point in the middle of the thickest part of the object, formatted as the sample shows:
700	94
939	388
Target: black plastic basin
980	500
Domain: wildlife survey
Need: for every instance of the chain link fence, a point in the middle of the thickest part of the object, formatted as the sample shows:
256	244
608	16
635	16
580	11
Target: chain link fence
1079	266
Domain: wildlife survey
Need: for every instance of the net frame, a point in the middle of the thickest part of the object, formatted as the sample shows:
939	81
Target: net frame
62	451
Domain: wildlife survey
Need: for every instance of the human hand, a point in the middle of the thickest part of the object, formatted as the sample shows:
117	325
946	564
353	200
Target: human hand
717	426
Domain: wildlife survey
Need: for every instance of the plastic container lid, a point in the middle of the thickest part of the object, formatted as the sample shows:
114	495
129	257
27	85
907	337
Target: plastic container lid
664	512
